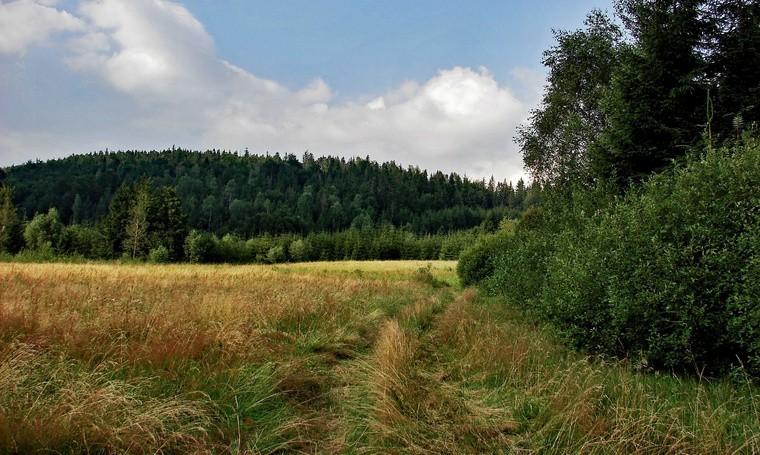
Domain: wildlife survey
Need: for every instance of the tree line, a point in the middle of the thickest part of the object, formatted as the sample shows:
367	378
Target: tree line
149	219
646	243
247	194
148	224
629	94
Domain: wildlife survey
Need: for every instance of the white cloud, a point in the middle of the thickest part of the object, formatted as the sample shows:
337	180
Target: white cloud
24	23
159	55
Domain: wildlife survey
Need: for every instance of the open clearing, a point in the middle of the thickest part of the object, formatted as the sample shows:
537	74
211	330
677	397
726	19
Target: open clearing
347	357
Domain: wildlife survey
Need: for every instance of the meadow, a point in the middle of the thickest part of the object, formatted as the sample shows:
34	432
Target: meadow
341	357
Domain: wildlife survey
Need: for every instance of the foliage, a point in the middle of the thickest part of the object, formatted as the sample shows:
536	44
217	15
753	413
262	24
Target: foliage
667	274
299	250
382	243
44	232
10	227
276	254
114	223
199	246
734	66
656	103
167	222
251	195
556	139
623	103
476	262
136	235
159	255
84	241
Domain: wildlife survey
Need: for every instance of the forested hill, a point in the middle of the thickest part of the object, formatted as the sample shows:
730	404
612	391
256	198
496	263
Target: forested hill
251	194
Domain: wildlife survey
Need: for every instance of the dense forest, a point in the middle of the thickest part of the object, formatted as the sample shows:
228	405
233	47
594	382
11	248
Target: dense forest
647	243
247	194
225	207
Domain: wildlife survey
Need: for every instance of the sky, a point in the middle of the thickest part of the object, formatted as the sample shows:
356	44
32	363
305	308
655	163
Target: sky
442	85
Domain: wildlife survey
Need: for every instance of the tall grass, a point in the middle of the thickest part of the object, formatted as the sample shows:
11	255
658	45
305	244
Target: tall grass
333	358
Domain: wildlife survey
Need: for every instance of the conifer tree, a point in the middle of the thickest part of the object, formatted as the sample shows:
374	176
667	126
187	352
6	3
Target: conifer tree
655	105
9	223
167	222
115	223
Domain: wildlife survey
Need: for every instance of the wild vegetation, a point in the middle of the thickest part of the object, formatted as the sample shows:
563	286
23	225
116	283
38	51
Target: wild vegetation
247	195
646	246
149	208
616	306
349	357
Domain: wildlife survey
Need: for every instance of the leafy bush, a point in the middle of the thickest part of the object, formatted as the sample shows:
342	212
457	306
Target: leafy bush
199	246
477	262
85	241
667	275
276	254
231	249
159	255
299	250
44	231
519	270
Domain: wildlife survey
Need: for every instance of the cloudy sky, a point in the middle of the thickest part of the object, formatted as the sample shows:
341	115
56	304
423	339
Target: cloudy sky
439	84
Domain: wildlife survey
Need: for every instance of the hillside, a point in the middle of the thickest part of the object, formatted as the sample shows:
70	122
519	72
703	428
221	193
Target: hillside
249	194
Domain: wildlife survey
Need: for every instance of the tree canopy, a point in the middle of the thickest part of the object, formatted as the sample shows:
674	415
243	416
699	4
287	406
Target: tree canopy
627	96
247	194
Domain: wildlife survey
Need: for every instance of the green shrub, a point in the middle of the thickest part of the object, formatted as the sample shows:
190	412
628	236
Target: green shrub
299	250
85	241
44	231
199	246
477	262
667	275
519	270
231	249
534	218
159	255
276	254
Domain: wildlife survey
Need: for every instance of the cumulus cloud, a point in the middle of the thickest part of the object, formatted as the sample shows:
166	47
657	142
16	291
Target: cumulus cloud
159	55
24	23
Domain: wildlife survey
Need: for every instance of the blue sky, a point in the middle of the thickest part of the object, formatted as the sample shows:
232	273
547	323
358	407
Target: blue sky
439	84
362	46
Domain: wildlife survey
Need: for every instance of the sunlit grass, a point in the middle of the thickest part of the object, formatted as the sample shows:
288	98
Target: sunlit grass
346	357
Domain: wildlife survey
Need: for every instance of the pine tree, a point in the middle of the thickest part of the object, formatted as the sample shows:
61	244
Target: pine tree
115	224
655	107
167	222
76	209
9	224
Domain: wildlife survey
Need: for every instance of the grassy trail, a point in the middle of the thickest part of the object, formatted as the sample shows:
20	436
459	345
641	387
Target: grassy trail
322	358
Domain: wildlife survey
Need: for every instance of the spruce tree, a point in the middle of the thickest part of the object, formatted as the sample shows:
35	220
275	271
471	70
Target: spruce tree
655	107
115	224
734	66
9	223
167	222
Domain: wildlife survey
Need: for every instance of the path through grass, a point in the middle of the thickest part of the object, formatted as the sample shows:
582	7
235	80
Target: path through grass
343	357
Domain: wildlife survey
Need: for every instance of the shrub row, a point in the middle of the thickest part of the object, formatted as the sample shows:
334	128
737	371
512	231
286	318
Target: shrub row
383	244
668	276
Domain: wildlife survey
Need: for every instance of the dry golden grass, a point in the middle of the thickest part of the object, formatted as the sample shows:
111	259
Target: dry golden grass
348	357
142	358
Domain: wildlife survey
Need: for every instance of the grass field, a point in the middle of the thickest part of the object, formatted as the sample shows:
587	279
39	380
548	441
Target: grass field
346	357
